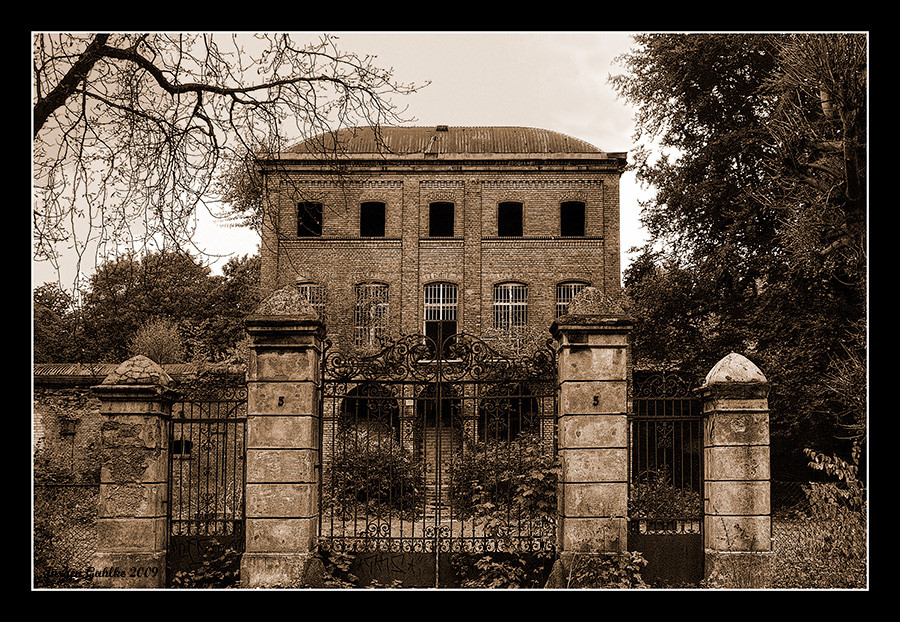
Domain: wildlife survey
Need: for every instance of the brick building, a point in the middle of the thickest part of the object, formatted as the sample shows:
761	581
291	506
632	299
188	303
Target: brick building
436	230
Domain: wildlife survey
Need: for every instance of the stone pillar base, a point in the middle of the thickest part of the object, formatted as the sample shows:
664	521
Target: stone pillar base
263	570
129	570
739	569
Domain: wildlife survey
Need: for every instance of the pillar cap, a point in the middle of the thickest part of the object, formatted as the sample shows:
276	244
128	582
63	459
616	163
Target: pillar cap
138	370
592	308
737	376
284	304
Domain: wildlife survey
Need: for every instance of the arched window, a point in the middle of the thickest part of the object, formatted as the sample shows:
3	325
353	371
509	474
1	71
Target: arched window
440	311
565	292
510	306
371	315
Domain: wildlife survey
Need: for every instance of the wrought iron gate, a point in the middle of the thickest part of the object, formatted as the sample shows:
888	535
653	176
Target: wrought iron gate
429	450
207	449
666	478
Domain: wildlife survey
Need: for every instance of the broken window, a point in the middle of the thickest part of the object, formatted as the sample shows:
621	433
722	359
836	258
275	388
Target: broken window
309	219
509	219
371	220
571	218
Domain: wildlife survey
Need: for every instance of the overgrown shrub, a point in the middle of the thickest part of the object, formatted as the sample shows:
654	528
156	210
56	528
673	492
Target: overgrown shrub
654	495
496	477
502	570
217	569
621	571
826	545
372	470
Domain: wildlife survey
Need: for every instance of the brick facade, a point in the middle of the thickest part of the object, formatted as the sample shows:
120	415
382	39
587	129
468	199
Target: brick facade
474	169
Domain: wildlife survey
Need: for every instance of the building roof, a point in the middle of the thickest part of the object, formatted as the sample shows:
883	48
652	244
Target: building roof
445	140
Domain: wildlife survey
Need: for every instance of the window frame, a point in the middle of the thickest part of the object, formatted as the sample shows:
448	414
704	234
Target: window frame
518	219
509	306
380	219
438	227
568	220
305	219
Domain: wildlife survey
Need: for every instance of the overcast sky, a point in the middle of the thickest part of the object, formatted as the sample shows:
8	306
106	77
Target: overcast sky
551	80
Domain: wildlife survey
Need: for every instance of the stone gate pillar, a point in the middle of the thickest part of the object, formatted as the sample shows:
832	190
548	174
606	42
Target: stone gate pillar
283	419
135	404
593	376
737	521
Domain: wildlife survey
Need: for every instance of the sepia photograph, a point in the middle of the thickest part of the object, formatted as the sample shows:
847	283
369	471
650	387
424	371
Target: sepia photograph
450	311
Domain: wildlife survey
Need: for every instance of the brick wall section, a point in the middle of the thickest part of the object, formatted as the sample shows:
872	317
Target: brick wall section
475	258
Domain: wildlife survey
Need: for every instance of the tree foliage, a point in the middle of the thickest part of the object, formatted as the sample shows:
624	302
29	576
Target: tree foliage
127	296
131	130
754	145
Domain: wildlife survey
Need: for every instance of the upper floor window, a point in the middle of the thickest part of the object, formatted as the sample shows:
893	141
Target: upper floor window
314	294
509	219
371	315
440	220
371	220
565	292
510	306
440	311
309	219
571	218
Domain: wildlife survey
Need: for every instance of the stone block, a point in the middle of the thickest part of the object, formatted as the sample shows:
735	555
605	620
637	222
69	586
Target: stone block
739	570
281	500
266	570
281	535
593	431
287	431
136	500
131	534
282	465
745	498
737	428
738	533
737	462
593	363
277	398
595	535
290	364
595	500
593	397
594	465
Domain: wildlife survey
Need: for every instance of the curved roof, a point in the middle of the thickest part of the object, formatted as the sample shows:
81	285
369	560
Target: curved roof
444	140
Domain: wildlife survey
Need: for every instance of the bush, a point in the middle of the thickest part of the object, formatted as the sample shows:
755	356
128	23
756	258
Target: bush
621	571
372	470
496	477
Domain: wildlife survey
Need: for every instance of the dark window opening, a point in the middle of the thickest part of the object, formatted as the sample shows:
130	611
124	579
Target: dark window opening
309	220
571	218
440	220
371	220
509	219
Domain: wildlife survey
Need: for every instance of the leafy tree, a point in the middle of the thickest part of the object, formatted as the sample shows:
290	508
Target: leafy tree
54	325
132	129
754	146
